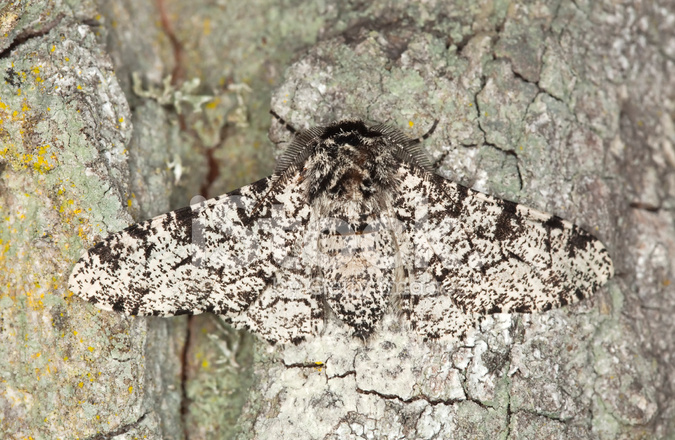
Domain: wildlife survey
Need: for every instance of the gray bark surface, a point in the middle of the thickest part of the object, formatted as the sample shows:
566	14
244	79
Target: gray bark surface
564	106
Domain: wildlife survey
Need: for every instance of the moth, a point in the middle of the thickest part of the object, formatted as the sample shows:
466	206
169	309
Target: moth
353	224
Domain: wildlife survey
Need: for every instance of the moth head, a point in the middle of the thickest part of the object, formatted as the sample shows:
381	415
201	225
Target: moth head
349	160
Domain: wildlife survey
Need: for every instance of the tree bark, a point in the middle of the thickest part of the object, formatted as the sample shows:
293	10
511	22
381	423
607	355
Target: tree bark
564	106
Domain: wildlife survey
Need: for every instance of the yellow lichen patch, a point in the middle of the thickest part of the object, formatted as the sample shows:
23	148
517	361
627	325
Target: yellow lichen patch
68	210
42	160
213	103
33	300
5	248
36	72
24	154
7	114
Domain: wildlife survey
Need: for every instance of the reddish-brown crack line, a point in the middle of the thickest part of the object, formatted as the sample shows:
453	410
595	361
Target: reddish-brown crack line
177	77
178	73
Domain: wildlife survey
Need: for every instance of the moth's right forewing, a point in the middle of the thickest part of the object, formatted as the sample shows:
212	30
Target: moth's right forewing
477	254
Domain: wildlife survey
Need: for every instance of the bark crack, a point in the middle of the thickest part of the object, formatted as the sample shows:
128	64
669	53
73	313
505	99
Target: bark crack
184	400
212	164
645	207
343	375
32	33
508	417
317	364
119	431
432	402
484	132
178	73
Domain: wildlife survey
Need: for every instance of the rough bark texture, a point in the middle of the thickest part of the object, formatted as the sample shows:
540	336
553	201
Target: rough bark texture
564	106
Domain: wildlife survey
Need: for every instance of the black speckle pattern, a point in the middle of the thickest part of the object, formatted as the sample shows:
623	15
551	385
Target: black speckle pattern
351	226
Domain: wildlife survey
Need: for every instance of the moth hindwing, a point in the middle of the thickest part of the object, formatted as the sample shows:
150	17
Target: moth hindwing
352	225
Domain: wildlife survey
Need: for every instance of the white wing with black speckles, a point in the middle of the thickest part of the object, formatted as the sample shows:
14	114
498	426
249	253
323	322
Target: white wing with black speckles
236	255
470	253
350	226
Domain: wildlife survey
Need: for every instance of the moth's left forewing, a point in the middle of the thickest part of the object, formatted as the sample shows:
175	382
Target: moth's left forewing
238	255
196	259
479	254
287	310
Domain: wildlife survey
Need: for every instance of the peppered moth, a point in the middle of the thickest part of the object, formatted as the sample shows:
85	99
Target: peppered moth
353	224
